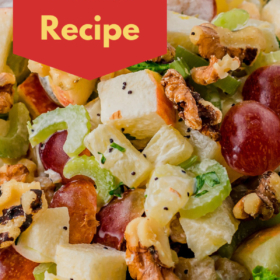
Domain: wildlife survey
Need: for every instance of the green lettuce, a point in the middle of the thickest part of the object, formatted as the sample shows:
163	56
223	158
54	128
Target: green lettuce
261	273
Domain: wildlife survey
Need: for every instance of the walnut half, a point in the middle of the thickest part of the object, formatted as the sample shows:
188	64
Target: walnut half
7	81
198	113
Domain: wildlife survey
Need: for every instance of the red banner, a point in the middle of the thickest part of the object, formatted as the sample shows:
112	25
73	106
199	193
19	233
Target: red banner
90	38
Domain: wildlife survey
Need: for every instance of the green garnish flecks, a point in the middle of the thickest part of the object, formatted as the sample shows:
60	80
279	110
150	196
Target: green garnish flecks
201	193
189	162
210	178
129	137
103	159
118	147
118	191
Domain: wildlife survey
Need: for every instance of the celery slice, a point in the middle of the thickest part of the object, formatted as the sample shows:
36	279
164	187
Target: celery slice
74	118
232	19
15	143
88	166
181	67
228	85
39	271
215	195
189	162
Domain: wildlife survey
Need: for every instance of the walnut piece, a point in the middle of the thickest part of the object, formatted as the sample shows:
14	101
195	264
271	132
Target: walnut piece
245	44
7	81
168	57
18	218
198	114
47	186
19	172
216	70
263	202
148	253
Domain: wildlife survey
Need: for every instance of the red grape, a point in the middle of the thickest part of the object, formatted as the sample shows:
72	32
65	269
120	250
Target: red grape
263	86
250	138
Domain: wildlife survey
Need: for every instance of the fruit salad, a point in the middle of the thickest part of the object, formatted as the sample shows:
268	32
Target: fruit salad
165	170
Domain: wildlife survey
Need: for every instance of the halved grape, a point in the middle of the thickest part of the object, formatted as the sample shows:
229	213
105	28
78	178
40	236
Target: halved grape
88	166
210	198
232	19
39	271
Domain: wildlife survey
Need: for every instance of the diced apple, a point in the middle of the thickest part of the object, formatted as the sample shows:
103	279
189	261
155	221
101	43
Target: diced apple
129	165
168	190
50	276
38	243
12	191
6	35
32	94
136	103
179	29
90	262
94	110
168	146
262	249
208	233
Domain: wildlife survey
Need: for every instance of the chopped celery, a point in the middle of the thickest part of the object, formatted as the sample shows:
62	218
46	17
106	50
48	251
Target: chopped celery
19	65
190	58
264	59
39	271
245	229
189	162
15	143
228	85
74	118
88	166
232	19
181	67
215	195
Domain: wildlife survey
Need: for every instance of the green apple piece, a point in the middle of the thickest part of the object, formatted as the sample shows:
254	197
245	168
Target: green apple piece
168	146
114	152
39	271
90	262
6	35
50	276
74	118
38	243
168	190
208	233
88	166
261	249
213	196
15	144
179	29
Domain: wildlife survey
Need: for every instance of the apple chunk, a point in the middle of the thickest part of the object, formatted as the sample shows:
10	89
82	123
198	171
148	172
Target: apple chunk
6	35
136	103
90	262
38	243
262	249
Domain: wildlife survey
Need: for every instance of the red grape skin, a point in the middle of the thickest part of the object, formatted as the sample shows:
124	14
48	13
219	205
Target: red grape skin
250	138
263	85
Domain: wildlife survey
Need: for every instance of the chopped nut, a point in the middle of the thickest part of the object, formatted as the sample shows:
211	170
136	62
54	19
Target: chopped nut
148	253
19	172
198	114
217	69
168	57
6	92
47	186
245	44
177	233
263	202
17	219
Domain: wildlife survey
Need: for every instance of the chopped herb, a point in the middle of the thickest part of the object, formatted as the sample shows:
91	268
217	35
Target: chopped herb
103	159
160	68
118	147
118	191
210	178
146	196
201	193
129	137
189	162
16	242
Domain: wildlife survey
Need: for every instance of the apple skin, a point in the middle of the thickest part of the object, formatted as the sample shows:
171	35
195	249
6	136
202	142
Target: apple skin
53	156
116	215
263	85
13	266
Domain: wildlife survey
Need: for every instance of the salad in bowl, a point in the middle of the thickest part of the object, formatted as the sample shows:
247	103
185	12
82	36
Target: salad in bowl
165	170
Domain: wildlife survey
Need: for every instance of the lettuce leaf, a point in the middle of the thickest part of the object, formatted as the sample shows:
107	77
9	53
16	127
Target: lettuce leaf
261	273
